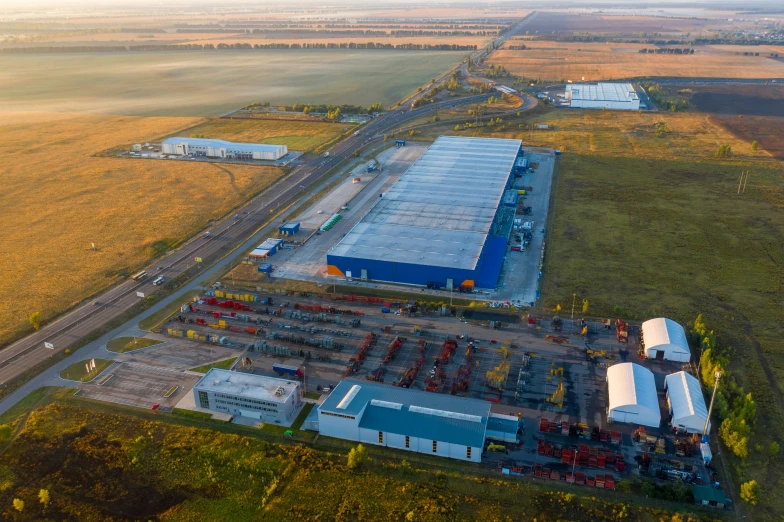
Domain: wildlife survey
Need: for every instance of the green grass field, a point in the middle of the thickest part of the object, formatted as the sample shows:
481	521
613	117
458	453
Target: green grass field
212	83
129	344
99	460
223	365
297	136
78	371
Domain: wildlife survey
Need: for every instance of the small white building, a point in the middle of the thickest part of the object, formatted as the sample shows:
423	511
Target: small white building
412	420
632	395
686	402
619	96
267	399
664	339
223	149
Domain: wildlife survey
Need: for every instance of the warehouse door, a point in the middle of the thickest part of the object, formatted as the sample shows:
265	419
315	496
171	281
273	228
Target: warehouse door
450	284
363	274
660	355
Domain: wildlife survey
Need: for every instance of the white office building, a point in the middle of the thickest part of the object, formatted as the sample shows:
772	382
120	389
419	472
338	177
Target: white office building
223	149
267	399
619	96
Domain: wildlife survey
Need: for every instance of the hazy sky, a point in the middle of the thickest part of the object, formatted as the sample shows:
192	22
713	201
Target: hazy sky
130	4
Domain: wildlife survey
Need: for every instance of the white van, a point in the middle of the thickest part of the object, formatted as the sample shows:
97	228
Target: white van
158	281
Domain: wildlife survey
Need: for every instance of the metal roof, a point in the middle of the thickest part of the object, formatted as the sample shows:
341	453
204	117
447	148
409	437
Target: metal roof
686	397
622	92
441	210
663	332
420	414
223	144
630	384
246	385
708	494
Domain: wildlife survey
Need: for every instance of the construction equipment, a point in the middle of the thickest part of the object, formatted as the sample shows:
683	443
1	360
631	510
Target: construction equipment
499	448
621	331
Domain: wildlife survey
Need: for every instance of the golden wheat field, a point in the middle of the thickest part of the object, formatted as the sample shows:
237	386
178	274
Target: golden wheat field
598	61
58	198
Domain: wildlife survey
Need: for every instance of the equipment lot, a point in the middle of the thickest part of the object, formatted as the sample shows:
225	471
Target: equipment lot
533	368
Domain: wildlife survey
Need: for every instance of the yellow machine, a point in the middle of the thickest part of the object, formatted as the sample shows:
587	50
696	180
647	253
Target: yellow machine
496	447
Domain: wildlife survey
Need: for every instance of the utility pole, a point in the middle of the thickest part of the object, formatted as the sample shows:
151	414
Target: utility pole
740	182
574	298
746	181
713	397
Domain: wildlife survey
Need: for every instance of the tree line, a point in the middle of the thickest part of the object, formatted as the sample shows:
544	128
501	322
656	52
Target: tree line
666	50
242	46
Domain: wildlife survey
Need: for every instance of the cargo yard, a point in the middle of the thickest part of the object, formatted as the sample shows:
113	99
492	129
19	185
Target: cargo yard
548	372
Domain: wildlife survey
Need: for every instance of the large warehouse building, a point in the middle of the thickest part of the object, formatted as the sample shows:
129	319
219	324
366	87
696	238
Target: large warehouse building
632	392
223	149
441	224
621	96
431	423
264	398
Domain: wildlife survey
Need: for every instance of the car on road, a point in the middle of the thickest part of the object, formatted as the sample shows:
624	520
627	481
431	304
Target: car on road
158	281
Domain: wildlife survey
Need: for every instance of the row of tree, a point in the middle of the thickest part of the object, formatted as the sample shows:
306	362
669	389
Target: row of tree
334	110
663	100
667	50
243	46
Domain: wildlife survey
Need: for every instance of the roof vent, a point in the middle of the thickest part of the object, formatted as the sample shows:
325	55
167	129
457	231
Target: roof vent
342	405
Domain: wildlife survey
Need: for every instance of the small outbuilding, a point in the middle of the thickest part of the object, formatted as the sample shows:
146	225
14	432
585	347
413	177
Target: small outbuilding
686	402
632	395
708	496
289	229
665	339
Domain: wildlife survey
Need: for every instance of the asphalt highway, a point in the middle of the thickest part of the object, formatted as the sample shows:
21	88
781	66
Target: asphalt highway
224	236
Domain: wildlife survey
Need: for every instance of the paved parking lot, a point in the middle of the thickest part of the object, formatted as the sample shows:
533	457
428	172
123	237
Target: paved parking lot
139	385
178	354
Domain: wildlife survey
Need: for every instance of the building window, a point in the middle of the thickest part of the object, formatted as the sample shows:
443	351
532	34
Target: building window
204	400
408	441
468	452
381	437
435	446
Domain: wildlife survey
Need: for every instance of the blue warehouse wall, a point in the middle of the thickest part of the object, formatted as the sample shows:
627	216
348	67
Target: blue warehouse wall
484	276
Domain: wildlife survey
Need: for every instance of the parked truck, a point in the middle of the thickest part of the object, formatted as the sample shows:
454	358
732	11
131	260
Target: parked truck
282	369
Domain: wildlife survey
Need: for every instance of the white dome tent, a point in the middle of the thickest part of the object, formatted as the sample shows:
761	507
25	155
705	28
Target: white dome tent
632	395
665	339
686	402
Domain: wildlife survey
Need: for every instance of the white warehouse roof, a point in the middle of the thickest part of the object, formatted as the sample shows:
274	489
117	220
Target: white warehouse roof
687	404
632	395
665	336
612	92
223	144
441	210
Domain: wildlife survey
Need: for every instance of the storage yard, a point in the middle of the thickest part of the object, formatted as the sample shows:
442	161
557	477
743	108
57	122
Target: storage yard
548	372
